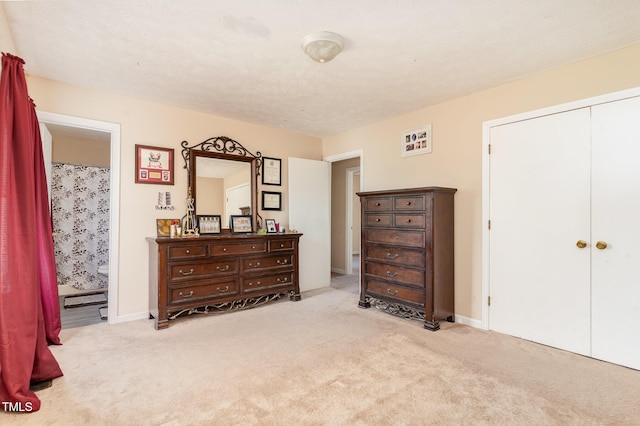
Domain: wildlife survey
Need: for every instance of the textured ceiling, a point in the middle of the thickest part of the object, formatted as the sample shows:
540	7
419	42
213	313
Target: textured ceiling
242	59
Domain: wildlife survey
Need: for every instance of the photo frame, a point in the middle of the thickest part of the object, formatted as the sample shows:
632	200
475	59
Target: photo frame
241	224
154	165
271	171
271	200
163	227
271	226
416	141
209	224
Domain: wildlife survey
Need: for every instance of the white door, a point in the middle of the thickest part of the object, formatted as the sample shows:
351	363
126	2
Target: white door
237	198
47	153
615	211
539	209
310	213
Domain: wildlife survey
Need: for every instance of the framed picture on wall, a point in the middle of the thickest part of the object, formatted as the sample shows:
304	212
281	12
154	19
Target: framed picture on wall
271	200
415	141
154	165
271	171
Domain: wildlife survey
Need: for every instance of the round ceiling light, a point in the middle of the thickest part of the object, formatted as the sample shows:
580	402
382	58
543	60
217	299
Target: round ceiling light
322	46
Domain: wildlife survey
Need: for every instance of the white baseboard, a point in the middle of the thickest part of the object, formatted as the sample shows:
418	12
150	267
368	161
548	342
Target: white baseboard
338	271
468	321
132	317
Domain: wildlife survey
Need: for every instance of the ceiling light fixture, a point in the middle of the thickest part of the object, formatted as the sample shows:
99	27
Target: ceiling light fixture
322	46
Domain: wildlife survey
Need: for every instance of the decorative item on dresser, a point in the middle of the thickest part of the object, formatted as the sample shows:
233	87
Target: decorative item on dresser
407	253
224	272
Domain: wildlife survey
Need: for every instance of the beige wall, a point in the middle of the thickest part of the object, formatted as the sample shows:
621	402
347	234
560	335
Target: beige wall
456	160
154	124
67	149
338	211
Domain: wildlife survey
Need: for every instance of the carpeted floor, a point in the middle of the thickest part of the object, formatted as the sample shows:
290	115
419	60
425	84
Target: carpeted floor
324	361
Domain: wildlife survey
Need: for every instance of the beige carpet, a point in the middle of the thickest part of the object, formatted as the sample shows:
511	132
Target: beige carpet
324	361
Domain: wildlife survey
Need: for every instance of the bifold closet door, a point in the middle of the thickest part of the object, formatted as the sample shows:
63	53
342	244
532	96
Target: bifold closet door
615	212
539	211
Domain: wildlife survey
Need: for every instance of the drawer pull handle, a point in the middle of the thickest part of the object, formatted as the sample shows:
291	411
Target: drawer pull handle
378	204
392	292
377	219
226	268
223	290
224	249
392	274
281	245
253	247
186	295
187	251
250	284
186	273
408	220
282	262
408	203
257	265
392	256
282	280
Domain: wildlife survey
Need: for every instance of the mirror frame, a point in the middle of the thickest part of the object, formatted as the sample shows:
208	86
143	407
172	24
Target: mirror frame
223	148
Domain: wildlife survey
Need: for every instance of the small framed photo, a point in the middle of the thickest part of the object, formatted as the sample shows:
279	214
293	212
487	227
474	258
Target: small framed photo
271	226
163	227
415	141
271	171
241	224
154	165
208	224
271	200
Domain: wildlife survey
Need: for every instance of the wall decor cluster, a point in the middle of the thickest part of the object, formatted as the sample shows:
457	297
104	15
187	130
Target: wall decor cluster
154	165
271	175
415	141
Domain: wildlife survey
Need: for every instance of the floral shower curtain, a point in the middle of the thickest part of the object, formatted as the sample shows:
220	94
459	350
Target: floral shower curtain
80	212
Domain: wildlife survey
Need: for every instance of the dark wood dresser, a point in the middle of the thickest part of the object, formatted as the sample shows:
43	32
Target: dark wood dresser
407	253
220	273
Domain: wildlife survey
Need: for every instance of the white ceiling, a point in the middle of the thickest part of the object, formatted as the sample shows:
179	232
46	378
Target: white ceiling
242	58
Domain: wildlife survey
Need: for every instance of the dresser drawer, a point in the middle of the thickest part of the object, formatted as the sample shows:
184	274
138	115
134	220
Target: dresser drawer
220	249
281	245
397	255
202	292
194	271
382	220
409	220
260	264
187	252
390	236
387	291
250	284
378	204
413	202
409	276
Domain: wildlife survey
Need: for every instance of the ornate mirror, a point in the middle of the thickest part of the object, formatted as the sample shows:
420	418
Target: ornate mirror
223	179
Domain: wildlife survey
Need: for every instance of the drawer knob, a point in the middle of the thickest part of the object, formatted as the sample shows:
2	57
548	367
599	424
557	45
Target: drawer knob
224	249
253	247
392	274
186	273
281	245
187	251
282	262
222	290
226	268
377	219
392	256
378	204
392	292
408	203
186	295
408	220
257	265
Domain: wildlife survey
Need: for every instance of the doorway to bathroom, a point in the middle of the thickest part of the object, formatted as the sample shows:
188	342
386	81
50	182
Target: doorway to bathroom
83	172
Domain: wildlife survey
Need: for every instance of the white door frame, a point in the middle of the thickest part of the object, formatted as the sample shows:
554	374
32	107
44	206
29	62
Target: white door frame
486	141
348	238
114	194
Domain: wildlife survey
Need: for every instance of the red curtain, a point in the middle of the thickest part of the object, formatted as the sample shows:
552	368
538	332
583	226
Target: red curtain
29	307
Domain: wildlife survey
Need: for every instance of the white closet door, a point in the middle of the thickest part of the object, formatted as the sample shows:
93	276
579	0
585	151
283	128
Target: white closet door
616	221
539	209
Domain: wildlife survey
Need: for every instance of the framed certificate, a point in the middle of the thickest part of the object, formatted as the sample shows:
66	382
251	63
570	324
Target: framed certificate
271	171
271	200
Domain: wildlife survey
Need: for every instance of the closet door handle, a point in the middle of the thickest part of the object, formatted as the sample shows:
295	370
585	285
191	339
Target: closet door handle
601	245
581	244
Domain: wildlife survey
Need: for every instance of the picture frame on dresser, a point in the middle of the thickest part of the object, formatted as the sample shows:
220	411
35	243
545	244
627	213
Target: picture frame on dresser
208	224
240	224
271	226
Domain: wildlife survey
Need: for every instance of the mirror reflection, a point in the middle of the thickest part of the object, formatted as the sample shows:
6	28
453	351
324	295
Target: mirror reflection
223	187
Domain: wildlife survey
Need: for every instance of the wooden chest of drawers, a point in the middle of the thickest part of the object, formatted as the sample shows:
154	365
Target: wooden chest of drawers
220	273
407	253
